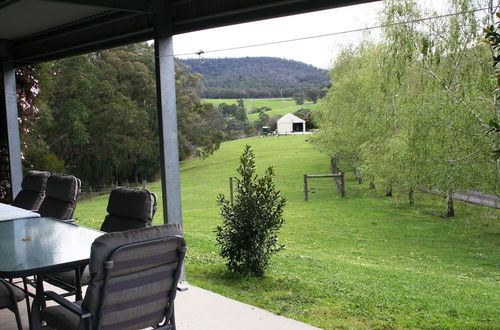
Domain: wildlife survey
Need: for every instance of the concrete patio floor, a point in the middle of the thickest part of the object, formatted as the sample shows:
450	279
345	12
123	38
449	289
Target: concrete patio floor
200	309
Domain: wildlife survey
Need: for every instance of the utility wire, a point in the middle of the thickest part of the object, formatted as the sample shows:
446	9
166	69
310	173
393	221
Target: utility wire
200	52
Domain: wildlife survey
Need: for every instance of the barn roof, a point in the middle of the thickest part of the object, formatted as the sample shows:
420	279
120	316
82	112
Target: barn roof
290	118
42	30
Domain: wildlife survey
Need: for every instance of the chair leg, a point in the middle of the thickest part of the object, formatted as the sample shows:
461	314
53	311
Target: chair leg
35	321
172	318
78	284
40	290
15	310
25	284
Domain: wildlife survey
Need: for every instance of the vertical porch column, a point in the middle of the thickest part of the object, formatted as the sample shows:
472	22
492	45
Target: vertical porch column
9	109
167	116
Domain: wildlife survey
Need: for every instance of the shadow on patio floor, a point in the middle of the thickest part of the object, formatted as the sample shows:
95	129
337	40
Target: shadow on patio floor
200	309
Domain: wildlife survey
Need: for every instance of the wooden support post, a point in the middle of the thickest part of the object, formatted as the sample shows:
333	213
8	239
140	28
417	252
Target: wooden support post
231	191
306	197
90	190
143	184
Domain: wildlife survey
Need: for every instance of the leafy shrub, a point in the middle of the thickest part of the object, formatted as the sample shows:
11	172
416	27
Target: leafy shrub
248	235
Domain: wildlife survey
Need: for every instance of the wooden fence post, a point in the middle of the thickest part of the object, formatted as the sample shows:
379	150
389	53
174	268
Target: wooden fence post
90	189
334	169
231	191
342	185
144	184
306	198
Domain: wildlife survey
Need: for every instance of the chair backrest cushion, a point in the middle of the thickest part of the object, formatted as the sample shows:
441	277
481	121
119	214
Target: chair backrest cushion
131	203
129	208
33	190
28	200
35	181
60	196
63	187
113	223
55	208
135	291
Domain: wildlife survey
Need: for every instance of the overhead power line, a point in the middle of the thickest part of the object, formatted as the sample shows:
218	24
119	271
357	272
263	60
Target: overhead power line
419	20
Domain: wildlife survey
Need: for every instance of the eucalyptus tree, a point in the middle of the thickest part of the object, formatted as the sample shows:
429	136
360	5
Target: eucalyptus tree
98	119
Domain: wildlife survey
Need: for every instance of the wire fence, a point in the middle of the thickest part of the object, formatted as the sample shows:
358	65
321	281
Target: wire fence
88	191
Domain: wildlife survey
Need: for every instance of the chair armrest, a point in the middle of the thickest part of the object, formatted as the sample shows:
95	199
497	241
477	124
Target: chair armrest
67	220
72	307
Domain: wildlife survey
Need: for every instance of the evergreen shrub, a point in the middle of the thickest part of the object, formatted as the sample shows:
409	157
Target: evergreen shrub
248	235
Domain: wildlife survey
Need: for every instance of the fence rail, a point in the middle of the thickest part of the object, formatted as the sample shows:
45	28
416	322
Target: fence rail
340	184
93	191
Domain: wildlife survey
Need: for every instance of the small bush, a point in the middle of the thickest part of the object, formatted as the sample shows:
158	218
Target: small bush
248	235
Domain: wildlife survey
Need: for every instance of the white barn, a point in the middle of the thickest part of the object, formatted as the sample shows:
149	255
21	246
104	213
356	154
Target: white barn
291	124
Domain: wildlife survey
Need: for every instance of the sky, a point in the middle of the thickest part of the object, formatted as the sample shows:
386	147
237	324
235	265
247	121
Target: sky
319	52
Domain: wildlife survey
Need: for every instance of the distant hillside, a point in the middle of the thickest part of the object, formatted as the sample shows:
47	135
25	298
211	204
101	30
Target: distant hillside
256	77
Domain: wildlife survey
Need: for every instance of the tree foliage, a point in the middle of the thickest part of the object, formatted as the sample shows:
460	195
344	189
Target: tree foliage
492	38
410	110
257	77
98	117
248	235
235	121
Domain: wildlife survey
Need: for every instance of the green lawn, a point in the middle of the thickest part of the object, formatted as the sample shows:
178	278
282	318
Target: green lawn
365	261
278	106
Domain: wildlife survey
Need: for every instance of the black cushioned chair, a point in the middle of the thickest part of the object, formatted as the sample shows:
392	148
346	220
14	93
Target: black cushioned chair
60	197
128	208
134	276
9	297
33	190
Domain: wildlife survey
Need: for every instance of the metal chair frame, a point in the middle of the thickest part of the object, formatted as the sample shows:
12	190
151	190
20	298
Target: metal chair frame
14	307
93	322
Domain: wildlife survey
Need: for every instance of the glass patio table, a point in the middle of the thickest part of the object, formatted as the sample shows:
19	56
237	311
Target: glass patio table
9	212
38	246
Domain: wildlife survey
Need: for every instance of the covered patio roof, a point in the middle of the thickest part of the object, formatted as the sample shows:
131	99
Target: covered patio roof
34	31
42	30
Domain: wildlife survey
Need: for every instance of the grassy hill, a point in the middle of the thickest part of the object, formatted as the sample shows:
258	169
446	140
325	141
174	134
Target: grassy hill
364	261
278	106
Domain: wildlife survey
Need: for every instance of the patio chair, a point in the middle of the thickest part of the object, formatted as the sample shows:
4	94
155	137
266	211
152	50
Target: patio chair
32	190
9	297
134	276
60	197
128	208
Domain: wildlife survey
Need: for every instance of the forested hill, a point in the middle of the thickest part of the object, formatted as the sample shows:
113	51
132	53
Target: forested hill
256	77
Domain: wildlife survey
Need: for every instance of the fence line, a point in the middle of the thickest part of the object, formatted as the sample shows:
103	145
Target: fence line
93	191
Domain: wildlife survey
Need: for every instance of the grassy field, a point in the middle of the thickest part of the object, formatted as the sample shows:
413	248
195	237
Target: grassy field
364	261
278	106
